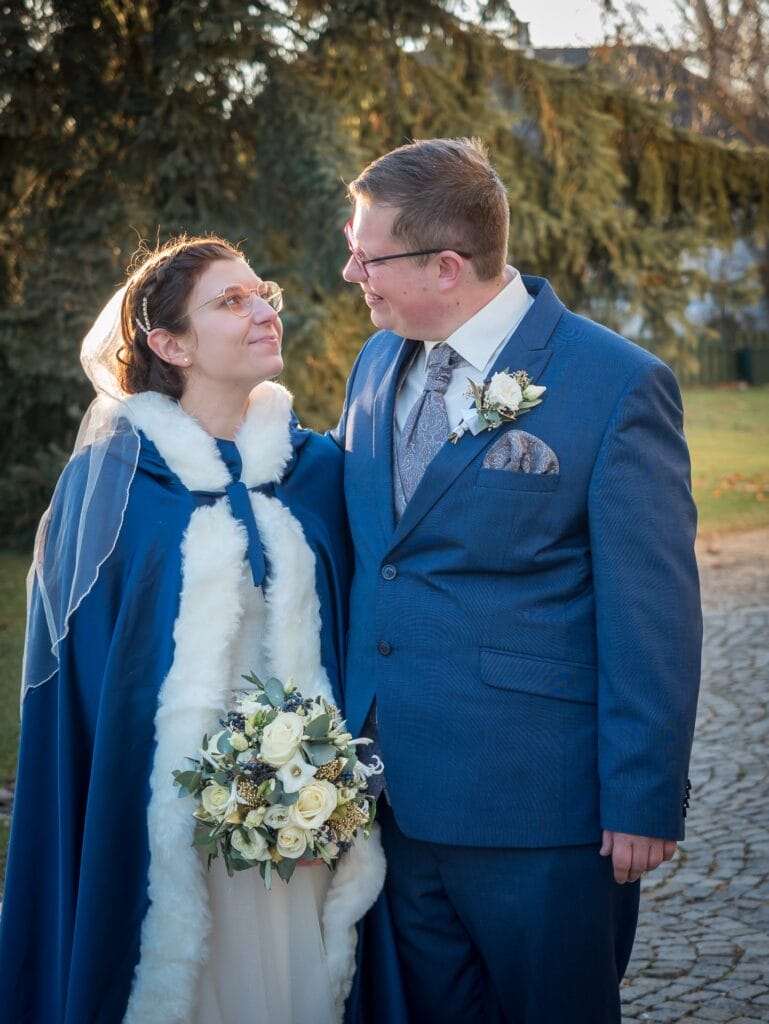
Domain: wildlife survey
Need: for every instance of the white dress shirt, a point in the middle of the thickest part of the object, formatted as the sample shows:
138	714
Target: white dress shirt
478	341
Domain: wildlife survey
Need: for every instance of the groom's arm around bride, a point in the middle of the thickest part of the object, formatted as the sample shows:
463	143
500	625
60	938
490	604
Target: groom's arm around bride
525	624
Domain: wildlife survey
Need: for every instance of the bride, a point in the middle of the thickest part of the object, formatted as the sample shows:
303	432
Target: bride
196	534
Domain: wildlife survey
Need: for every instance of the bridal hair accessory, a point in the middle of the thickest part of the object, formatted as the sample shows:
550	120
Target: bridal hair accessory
501	399
146	325
280	783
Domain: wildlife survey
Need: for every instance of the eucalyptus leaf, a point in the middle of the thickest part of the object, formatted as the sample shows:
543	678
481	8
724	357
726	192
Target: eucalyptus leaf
321	753
189	781
277	795
267	873
223	744
275	692
290	798
286	868
318	727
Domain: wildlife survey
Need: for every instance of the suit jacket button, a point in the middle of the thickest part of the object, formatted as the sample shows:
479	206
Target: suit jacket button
384	648
389	572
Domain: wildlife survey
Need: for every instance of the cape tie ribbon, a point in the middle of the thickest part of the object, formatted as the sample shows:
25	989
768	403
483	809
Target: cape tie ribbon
240	505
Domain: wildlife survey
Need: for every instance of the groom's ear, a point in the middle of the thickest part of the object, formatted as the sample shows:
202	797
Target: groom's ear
168	347
451	270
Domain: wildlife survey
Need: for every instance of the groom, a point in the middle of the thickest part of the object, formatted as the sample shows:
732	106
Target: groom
525	621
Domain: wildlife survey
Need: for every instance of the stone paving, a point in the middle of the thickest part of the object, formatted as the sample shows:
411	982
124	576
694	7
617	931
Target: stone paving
702	949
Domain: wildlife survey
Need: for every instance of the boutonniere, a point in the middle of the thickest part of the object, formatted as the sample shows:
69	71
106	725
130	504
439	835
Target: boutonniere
498	400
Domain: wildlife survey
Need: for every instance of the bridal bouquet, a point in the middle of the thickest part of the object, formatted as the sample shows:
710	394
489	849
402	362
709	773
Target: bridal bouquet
279	783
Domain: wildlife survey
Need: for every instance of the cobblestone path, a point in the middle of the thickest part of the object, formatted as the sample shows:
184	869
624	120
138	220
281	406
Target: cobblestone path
702	949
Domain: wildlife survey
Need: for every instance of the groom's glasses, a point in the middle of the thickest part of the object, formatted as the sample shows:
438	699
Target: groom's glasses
363	261
240	300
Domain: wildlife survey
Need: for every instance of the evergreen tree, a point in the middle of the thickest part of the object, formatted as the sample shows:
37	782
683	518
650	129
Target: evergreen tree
122	121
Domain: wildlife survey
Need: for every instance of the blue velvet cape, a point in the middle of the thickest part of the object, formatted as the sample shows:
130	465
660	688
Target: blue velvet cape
76	883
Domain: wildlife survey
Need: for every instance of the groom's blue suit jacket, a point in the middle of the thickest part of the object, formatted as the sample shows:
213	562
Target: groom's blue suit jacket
532	641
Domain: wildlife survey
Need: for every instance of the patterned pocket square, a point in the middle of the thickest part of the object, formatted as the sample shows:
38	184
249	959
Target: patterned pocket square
521	452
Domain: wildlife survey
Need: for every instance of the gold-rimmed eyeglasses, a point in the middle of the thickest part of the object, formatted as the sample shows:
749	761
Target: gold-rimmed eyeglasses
240	300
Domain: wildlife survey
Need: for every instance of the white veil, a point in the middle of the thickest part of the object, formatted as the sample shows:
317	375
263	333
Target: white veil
78	531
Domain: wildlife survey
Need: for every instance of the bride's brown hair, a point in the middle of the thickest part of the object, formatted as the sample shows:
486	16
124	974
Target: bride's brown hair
160	285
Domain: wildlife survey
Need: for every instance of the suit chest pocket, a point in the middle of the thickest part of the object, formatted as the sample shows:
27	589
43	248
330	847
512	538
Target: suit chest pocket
513	480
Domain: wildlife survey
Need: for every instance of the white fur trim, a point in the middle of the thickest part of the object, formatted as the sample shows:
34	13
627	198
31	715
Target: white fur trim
263	439
177	923
293	619
357	882
183	444
174	932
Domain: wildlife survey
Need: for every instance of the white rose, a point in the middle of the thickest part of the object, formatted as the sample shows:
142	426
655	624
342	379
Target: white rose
255	817
239	741
251	707
295	773
291	842
252	845
276	816
281	738
314	804
216	800
533	391
504	390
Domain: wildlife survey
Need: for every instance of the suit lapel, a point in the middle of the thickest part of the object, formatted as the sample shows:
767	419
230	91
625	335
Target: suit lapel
382	434
528	349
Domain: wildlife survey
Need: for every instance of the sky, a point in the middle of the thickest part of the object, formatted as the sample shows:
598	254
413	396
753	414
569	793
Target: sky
578	22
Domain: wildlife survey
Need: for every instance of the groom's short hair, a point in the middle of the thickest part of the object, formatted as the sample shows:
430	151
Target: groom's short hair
448	196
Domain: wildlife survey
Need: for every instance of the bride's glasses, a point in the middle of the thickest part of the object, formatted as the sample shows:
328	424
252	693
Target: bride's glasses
240	300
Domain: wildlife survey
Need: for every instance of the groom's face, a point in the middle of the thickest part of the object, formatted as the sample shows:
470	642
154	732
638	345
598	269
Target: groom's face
400	294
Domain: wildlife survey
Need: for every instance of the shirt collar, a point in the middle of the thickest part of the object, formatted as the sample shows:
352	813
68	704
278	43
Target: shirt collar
478	338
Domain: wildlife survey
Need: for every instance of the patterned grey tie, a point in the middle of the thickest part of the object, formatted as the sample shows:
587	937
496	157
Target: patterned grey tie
427	425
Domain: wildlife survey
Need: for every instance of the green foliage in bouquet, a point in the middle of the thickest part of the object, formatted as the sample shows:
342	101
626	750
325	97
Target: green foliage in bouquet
280	783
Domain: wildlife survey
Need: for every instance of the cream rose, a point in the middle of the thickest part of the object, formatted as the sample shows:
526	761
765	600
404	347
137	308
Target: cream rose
216	800
252	845
239	741
291	842
255	817
314	804
504	390
281	738
276	816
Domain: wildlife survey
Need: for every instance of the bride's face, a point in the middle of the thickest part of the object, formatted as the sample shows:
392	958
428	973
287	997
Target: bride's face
223	347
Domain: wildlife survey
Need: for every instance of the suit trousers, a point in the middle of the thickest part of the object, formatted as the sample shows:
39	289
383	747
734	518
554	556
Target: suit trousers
520	936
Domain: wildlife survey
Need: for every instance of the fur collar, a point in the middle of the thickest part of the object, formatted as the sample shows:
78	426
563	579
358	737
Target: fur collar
263	439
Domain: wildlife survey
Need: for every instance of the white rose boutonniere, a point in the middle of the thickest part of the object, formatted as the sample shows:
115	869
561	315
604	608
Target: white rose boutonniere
501	399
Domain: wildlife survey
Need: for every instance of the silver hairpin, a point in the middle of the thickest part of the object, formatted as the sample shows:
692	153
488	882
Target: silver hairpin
146	325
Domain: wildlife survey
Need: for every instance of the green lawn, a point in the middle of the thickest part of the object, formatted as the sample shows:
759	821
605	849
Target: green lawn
13	570
728	433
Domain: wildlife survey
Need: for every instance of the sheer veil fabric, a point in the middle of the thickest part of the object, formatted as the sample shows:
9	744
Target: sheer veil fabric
65	567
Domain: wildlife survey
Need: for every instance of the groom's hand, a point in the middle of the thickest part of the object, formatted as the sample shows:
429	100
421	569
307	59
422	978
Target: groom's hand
632	855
